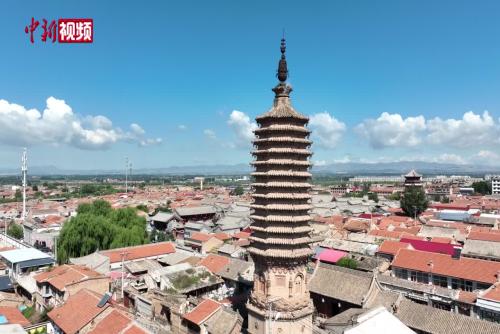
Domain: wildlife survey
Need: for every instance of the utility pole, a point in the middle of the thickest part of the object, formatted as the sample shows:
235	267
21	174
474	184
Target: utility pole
128	170
126	175
24	170
124	255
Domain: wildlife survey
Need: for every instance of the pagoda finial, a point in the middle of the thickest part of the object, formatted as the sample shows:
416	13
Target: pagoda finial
282	68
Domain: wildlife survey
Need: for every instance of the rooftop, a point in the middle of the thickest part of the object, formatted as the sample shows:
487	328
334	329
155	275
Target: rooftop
80	309
139	252
61	276
203	311
23	254
466	268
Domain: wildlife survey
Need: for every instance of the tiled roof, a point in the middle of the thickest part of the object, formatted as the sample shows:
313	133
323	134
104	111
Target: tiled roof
430	246
134	330
392	247
485	236
241	235
113	323
466	268
493	293
78	311
61	276
200	236
13	316
203	311
428	319
214	263
139	252
222	236
349	285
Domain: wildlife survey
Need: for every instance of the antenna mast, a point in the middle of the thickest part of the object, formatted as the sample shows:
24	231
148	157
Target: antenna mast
24	170
128	170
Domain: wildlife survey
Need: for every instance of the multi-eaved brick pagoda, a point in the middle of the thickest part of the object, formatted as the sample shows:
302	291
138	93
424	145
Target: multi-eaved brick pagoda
280	242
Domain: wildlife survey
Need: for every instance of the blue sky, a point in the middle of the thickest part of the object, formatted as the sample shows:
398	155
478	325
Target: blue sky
381	81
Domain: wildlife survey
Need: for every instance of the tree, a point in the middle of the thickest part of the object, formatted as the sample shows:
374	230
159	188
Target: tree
482	187
347	262
34	188
414	201
97	226
18	195
373	197
15	231
396	196
142	207
238	191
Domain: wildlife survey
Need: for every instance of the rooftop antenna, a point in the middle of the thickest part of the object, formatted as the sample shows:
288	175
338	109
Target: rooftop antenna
128	170
24	170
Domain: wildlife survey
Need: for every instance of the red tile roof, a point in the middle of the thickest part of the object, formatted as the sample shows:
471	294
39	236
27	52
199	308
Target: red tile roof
14	316
485	236
392	247
113	323
200	236
241	235
493	293
80	309
214	263
203	311
139	252
430	246
222	236
331	255
61	276
442	264
134	330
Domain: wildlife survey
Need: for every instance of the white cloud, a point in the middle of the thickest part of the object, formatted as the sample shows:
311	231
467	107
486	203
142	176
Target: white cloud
327	129
150	141
58	124
210	133
390	130
319	163
182	127
243	128
450	158
346	159
471	130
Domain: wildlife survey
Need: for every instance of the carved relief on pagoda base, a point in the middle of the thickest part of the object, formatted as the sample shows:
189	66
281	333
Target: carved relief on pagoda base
281	305
285	314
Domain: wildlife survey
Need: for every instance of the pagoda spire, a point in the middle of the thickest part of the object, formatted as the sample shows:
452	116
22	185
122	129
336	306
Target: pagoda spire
282	89
282	68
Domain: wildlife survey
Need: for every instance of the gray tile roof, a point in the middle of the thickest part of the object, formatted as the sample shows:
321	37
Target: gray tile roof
431	320
489	249
195	210
340	283
237	270
163	217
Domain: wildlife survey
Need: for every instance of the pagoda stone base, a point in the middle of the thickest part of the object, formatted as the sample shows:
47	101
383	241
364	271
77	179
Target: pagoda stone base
259	321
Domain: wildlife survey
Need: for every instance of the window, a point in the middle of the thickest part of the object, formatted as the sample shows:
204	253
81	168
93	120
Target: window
440	281
460	284
417	276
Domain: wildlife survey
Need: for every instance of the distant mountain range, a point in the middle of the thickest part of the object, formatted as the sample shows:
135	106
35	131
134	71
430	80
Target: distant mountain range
350	168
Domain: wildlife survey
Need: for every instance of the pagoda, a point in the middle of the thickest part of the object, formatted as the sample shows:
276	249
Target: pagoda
280	241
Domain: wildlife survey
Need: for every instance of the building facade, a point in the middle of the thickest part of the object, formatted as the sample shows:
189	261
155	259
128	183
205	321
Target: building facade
280	243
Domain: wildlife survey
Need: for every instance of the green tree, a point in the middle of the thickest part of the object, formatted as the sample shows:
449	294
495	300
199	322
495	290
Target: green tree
18	195
15	231
414	201
142	207
35	187
238	191
482	187
97	226
373	197
396	196
347	262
